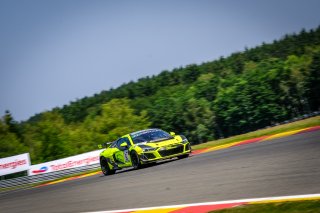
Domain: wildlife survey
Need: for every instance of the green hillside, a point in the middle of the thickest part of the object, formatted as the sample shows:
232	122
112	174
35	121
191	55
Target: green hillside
246	91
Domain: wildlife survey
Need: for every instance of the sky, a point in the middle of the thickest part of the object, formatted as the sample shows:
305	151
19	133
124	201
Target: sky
58	51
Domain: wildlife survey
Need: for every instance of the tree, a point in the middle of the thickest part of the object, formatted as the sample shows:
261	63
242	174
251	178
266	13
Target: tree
48	138
117	118
296	68
313	83
206	86
243	92
12	124
199	120
10	143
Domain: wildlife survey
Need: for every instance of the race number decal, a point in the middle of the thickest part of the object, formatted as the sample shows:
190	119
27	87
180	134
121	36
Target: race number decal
126	155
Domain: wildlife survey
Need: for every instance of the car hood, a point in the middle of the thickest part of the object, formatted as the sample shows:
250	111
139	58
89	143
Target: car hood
162	143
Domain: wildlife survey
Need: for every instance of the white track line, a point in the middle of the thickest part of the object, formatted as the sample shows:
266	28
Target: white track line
310	196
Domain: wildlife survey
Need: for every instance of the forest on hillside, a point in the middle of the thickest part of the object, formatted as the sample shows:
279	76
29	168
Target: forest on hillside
245	91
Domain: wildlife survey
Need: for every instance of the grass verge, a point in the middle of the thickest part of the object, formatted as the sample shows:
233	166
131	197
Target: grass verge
309	122
284	207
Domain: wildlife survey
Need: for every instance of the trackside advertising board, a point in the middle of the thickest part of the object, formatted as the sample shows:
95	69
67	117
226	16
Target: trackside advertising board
84	159
13	164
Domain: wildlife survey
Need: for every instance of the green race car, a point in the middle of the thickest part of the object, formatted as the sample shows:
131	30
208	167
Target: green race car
143	147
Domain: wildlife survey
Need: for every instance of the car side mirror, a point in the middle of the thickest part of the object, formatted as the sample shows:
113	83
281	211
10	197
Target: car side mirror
172	134
104	145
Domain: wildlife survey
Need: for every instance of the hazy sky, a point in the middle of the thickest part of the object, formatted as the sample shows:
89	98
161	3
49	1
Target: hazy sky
54	52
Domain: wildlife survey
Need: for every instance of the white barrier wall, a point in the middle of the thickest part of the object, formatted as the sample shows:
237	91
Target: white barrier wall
13	164
84	159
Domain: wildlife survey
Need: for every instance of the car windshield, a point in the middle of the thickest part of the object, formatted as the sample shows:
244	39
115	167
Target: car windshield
149	135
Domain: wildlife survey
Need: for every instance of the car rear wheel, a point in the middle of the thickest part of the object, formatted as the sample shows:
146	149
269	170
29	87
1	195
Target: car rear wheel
105	167
136	163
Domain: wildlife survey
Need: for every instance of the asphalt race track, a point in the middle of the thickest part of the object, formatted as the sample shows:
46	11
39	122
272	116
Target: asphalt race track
279	167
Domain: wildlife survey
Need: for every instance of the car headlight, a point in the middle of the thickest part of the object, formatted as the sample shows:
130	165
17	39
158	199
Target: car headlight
162	148
184	139
147	148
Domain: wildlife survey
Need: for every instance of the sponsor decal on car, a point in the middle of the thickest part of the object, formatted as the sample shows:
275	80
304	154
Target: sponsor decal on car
126	155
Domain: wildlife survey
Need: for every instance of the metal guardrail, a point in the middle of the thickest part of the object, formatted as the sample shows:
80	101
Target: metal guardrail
298	118
26	181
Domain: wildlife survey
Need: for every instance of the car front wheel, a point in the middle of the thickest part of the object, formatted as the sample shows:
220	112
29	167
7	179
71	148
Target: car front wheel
105	167
136	163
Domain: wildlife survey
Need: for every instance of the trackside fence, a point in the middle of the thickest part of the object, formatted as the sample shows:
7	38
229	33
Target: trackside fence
48	171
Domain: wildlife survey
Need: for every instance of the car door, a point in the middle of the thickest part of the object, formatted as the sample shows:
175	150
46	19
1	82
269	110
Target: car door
122	154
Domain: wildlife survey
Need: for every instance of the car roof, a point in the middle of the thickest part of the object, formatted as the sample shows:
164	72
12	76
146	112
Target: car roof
143	131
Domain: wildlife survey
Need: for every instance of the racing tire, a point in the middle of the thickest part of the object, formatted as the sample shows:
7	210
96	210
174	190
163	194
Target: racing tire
183	156
136	163
105	167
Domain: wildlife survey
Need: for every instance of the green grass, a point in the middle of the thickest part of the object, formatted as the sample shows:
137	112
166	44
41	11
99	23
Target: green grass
309	122
311	206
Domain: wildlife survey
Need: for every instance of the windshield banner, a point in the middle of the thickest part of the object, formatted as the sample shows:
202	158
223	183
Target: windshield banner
13	164
84	159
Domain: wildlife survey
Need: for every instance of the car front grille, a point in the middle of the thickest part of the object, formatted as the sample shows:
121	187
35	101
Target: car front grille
149	156
176	150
